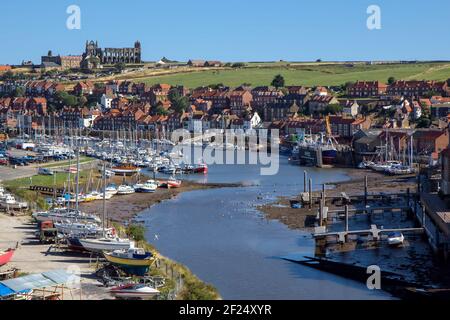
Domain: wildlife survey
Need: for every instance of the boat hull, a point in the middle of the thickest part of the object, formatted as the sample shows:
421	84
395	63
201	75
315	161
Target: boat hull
138	267
6	256
98	246
329	156
145	190
133	294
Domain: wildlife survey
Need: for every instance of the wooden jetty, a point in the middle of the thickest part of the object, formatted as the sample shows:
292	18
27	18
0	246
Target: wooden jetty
374	231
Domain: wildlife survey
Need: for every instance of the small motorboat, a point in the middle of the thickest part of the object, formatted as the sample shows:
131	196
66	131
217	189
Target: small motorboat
111	189
134	291
395	238
6	256
173	183
148	187
8	201
95	195
124	189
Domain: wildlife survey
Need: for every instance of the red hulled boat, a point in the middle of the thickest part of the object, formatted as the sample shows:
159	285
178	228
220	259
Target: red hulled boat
6	256
201	168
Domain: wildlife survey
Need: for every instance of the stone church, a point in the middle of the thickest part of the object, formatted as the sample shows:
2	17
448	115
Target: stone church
94	56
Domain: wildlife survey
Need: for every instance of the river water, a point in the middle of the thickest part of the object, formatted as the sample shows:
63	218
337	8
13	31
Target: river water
225	241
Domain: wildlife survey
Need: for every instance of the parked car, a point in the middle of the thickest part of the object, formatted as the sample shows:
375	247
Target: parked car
46	171
17	161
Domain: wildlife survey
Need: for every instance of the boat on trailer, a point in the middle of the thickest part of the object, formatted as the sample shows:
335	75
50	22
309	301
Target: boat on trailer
106	244
134	291
135	261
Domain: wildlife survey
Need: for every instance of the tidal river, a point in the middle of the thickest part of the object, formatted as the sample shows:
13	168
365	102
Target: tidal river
225	241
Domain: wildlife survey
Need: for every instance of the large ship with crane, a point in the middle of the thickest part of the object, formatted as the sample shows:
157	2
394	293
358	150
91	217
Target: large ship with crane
317	149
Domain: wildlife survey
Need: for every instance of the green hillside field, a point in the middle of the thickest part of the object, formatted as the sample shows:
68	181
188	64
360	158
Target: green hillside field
311	74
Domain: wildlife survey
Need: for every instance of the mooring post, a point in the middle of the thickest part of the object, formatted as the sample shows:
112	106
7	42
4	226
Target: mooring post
320	213
310	193
407	197
423	215
324	197
305	178
346	218
418	184
365	191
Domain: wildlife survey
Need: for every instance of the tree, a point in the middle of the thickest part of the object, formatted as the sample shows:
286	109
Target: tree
120	66
333	109
137	232
161	111
238	65
66	99
391	80
82	100
278	81
179	103
18	92
423	122
8	75
216	86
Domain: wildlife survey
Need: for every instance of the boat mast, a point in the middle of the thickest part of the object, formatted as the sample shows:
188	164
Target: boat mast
77	179
104	198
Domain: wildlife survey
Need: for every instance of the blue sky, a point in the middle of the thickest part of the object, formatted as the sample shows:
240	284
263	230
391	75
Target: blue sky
230	30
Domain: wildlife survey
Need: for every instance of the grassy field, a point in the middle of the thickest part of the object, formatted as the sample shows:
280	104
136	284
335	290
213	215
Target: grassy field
302	74
20	187
73	163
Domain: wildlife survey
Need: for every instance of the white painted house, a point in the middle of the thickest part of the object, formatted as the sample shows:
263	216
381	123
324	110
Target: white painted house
106	101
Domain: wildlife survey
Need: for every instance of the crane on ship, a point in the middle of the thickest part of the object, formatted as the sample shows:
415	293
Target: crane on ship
328	126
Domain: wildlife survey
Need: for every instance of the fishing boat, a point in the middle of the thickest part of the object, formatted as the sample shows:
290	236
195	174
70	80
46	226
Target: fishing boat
173	183
201	168
125	189
106	244
135	261
147	187
134	291
6	256
125	169
168	169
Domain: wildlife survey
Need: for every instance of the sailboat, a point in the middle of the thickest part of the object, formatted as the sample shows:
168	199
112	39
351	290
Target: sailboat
147	187
105	243
134	261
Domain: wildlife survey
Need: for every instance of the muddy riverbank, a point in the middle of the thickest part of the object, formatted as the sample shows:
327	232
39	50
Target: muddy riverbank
303	218
122	208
